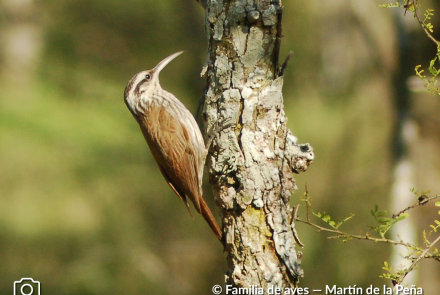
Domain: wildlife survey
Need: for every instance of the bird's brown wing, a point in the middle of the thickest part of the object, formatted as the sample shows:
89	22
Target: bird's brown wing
181	195
172	149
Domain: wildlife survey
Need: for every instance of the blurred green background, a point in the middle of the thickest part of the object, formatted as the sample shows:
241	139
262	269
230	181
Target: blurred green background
83	207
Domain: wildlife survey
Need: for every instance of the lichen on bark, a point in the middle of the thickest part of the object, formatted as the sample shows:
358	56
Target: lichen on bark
251	164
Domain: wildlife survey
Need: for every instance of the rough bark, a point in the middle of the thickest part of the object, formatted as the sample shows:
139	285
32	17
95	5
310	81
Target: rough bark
251	165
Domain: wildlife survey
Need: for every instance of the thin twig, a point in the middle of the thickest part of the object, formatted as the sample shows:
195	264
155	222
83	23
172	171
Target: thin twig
292	225
307	203
421	201
421	256
423	25
284	66
340	234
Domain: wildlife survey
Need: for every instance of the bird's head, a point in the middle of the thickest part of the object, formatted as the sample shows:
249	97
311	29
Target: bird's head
144	83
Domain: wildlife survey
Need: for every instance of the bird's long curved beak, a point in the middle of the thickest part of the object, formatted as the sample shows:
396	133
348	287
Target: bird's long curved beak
160	66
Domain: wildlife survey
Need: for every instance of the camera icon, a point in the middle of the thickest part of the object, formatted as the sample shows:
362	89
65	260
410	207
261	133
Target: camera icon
27	286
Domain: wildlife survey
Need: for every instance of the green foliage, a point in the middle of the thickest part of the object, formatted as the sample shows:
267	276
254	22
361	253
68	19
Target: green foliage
407	4
437	223
384	223
327	219
386	5
430	82
428	13
392	275
415	254
419	194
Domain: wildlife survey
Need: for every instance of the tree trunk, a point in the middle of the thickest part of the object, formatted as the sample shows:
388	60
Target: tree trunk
251	163
405	138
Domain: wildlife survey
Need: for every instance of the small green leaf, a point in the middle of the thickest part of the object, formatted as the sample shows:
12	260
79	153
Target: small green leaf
347	218
319	215
326	218
384	220
382	213
402	217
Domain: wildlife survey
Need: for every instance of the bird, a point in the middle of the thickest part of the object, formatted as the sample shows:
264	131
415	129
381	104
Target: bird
173	136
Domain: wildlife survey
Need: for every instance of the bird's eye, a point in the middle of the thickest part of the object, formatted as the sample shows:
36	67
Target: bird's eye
147	76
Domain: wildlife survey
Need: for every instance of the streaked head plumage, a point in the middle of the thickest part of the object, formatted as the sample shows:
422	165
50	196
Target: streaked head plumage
145	81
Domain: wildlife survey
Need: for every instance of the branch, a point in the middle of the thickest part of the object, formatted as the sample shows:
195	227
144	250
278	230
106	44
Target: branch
422	24
423	199
398	277
421	256
341	234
